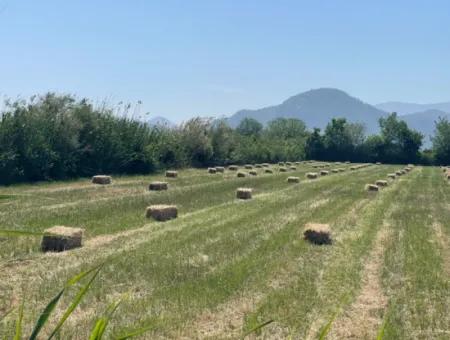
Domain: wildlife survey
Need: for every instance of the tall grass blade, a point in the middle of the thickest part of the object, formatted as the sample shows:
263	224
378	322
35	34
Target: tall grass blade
380	334
134	333
257	328
76	301
18	335
102	323
326	329
43	318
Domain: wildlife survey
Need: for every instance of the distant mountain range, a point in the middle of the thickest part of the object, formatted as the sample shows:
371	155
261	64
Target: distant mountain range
409	108
317	107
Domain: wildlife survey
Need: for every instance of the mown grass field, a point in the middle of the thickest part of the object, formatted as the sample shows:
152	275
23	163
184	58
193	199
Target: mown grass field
225	266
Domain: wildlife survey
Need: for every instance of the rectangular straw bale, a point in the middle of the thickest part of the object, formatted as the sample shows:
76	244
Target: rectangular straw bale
398	173
171	173
101	179
241	174
317	233
293	168
220	169
158	186
253	173
248	166
258	166
268	171
312	175
293	179
382	183
233	168
61	238
265	165
334	171
212	170
391	176
244	193
372	187
162	212
324	173
282	169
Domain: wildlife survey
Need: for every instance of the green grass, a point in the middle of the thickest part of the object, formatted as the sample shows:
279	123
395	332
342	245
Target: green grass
227	267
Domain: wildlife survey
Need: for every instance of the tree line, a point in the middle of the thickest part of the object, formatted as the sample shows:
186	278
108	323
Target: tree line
53	137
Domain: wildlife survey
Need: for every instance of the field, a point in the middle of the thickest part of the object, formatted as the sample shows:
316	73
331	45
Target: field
225	266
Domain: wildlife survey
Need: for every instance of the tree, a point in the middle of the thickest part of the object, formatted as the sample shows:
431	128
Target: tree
249	127
337	140
196	139
441	141
315	148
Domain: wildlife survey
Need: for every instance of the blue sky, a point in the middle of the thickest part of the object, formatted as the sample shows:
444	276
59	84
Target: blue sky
186	58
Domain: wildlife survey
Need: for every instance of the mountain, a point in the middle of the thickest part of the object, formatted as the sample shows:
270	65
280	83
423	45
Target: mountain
424	122
316	108
161	121
410	108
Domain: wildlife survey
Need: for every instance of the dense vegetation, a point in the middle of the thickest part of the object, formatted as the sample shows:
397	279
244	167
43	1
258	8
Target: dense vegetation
58	137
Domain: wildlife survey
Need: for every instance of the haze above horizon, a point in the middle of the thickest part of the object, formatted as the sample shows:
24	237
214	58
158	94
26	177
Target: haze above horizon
216	57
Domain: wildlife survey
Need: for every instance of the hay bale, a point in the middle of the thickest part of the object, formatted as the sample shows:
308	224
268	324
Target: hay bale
293	168
220	169
353	168
268	171
158	186
293	179
258	166
372	187
241	174
280	164
162	212
171	173
253	173
212	170
298	163
244	193
347	162
312	175
265	165
407	169
248	166
324	173
341	169
334	171
60	238
317	233
378	163
398	173
233	168
288	163
283	169
381	183
391	176
101	179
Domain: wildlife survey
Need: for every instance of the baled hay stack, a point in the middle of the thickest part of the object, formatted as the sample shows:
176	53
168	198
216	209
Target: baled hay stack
378	163
240	174
372	187
407	169
248	166
293	168
212	170
298	163
265	165
315	166
353	168
312	175
233	168
244	193
162	212
403	172
101	179
347	162
253	173
398	173
220	169
293	179
391	176
381	183
281	164
283	169
410	165
158	186
334	171
288	163
268	171
317	233
448	175
60	238
324	173
444	169
341	169
171	173
258	166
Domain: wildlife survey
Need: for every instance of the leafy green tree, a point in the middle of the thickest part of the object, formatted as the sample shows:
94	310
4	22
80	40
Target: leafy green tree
337	140
196	139
315	148
249	127
441	141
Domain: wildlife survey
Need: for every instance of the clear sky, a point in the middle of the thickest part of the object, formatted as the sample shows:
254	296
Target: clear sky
214	57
